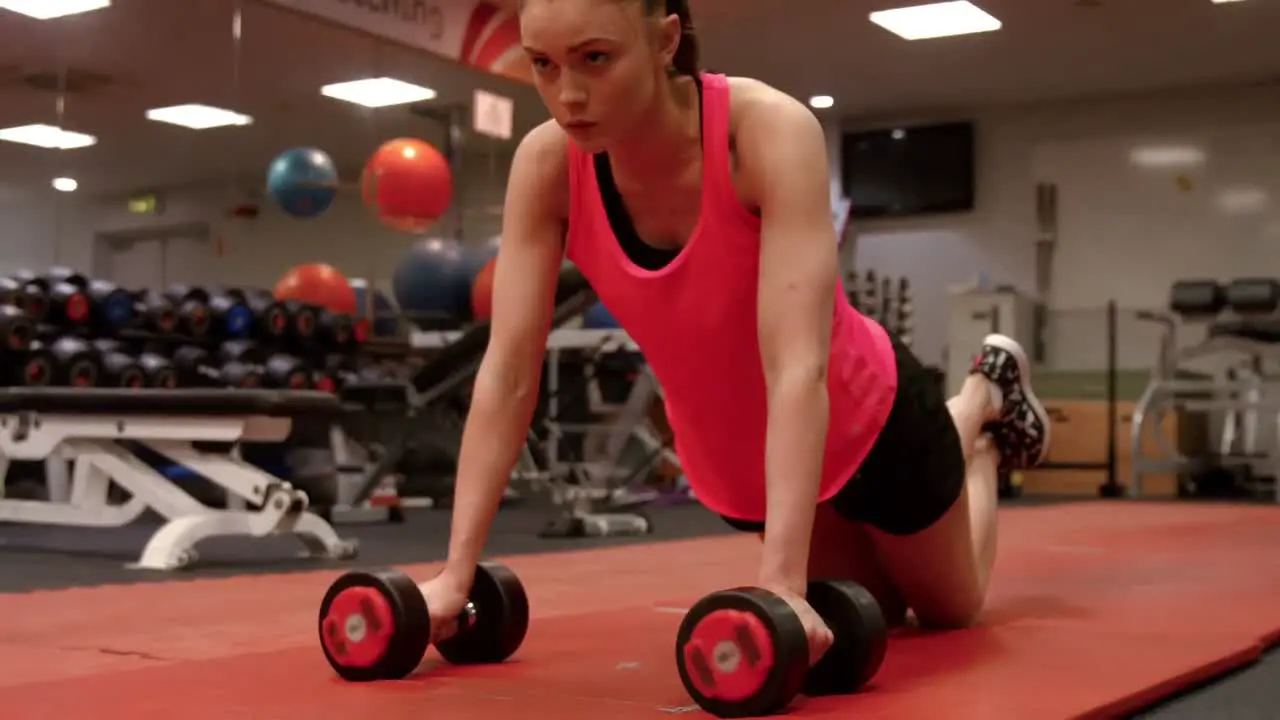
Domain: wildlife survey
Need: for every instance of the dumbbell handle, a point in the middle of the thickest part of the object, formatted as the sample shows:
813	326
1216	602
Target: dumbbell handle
465	620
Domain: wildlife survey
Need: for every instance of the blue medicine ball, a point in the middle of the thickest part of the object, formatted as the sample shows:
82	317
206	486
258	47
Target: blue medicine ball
303	181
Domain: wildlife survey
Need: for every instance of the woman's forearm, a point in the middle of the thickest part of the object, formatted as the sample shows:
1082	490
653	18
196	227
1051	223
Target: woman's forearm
794	453
497	425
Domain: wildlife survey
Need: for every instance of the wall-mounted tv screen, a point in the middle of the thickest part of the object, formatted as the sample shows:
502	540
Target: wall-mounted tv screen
900	171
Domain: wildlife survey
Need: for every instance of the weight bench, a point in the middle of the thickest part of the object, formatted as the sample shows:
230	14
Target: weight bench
87	428
1243	317
601	500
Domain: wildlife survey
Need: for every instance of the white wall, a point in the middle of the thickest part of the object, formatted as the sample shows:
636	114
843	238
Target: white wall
48	228
1123	234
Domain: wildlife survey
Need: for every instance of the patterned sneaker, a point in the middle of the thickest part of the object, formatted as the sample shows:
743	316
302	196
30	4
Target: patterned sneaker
1022	432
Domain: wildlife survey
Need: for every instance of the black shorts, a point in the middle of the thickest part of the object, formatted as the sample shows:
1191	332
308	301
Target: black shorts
915	471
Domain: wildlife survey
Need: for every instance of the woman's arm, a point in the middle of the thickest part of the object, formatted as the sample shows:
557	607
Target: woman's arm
506	387
783	152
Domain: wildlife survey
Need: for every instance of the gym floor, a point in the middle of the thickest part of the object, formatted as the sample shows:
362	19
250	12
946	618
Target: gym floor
1251	692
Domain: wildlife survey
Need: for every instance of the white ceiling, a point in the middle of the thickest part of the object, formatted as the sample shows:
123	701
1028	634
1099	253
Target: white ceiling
165	52
1047	49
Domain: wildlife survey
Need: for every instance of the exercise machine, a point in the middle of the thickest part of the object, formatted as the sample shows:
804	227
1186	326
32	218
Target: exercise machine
456	359
87	429
1229	374
596	494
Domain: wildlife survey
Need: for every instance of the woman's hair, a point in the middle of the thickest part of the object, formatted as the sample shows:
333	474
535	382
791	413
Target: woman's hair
685	61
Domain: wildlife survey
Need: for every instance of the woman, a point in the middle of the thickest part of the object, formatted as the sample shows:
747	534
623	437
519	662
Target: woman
699	208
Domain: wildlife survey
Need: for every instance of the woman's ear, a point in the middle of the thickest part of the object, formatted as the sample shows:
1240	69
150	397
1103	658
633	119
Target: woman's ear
668	32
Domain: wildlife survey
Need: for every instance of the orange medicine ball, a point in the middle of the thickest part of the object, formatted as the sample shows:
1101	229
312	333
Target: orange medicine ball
408	184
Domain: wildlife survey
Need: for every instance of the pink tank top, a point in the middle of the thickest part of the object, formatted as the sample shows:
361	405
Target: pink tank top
695	322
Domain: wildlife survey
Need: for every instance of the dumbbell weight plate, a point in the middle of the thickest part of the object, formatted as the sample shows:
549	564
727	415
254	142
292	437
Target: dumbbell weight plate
374	626
861	637
36	371
501	619
742	653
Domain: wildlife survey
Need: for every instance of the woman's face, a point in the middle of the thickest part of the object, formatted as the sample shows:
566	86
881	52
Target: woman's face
595	64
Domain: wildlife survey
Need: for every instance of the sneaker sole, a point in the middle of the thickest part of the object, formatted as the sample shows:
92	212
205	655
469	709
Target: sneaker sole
1011	346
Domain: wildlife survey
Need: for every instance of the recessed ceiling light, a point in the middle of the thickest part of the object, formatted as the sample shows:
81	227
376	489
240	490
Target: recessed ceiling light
47	136
378	92
198	117
936	20
1167	156
1242	201
821	102
1220	2
50	9
65	184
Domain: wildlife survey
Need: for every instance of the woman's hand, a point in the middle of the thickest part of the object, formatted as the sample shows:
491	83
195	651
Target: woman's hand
446	598
816	631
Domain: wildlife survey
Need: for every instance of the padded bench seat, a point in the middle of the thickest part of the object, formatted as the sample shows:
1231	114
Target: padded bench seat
1258	330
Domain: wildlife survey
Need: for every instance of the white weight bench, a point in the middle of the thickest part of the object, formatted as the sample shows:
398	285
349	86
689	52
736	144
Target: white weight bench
83	429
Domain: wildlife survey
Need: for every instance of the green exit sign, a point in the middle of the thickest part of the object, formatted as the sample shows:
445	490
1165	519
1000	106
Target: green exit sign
144	205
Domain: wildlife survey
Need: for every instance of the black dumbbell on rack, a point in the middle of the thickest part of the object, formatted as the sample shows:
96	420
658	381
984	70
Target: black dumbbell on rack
270	318
335	332
74	361
64	304
230	316
304	322
288	372
154	313
906	312
376	626
119	368
109	307
196	368
25	296
20	364
194	318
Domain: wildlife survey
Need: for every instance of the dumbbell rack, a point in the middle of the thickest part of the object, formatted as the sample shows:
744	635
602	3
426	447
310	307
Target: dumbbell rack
884	299
92	336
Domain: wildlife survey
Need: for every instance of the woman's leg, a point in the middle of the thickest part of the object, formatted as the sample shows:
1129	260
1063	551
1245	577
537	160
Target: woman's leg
943	570
841	549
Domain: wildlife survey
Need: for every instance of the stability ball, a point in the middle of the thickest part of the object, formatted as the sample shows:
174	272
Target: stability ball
318	284
302	181
477	255
431	283
407	183
482	291
598	317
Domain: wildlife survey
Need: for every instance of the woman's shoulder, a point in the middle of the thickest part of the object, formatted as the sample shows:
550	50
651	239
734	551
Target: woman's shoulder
754	102
747	95
544	150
